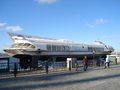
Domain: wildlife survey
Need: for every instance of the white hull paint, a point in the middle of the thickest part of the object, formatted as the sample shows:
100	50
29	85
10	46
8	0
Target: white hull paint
30	45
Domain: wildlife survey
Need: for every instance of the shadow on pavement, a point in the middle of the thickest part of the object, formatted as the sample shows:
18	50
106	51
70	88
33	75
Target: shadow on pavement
45	77
60	83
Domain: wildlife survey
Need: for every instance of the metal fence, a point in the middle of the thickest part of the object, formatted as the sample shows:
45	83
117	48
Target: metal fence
52	66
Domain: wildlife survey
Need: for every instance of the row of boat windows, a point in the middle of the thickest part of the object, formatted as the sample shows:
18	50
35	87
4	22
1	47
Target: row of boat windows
57	48
96	49
67	48
22	45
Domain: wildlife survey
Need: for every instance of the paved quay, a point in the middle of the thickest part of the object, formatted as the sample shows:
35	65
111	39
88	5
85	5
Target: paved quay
93	79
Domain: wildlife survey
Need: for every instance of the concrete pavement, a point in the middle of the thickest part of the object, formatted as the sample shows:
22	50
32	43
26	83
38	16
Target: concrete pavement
94	79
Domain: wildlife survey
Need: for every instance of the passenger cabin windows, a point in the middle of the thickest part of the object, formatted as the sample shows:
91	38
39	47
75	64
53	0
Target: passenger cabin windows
58	48
49	47
63	48
96	49
90	49
54	48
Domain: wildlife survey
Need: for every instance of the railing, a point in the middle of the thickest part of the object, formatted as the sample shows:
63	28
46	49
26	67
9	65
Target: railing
52	66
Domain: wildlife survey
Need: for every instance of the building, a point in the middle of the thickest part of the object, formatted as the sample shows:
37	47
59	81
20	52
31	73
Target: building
4	62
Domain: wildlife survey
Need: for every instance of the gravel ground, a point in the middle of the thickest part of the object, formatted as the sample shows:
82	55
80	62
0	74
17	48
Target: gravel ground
93	79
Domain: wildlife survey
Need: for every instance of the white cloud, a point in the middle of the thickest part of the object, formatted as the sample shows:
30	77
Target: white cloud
100	21
2	25
7	27
14	28
46	1
97	22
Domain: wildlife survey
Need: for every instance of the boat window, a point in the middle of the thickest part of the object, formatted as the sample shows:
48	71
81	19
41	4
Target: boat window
22	45
58	48
26	45
32	46
90	49
53	48
49	47
63	48
67	48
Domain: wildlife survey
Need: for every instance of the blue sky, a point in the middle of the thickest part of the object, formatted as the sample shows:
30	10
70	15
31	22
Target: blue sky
78	20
